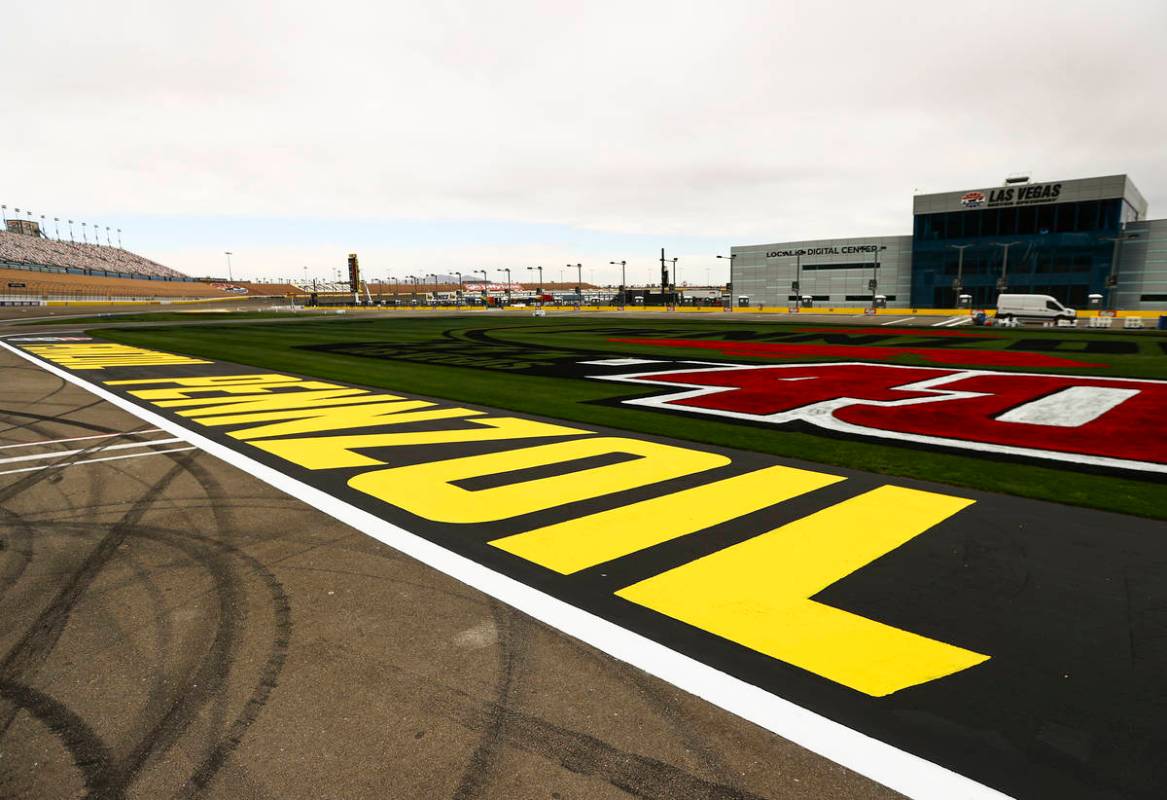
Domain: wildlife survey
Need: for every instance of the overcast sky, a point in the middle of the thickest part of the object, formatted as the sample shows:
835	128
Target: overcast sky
442	136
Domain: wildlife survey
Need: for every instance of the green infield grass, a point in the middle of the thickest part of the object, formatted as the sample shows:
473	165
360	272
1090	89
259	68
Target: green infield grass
497	361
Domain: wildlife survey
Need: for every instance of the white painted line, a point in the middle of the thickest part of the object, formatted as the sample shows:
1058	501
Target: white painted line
897	321
58	453
622	362
97	460
78	438
1069	408
944	322
897	769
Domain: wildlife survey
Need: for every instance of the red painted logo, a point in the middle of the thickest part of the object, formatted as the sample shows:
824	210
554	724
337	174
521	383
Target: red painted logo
972	199
1106	422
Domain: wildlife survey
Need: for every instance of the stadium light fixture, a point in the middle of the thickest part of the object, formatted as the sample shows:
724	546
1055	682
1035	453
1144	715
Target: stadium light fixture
226	253
540	287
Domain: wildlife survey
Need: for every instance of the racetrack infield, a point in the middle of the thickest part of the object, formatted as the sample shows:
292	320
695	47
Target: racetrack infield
1062	602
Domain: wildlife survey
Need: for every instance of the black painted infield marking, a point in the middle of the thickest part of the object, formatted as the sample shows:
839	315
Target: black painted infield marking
1066	603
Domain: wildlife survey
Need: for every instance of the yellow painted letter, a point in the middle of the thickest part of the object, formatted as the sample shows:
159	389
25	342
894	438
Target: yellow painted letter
428	490
757	593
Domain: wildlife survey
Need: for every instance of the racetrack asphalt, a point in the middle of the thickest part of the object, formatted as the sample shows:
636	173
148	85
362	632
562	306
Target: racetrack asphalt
170	626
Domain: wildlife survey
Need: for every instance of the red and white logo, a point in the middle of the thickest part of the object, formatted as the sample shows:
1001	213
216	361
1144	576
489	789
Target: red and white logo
1118	423
972	199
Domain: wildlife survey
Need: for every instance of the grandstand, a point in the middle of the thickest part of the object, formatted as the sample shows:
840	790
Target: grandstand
23	250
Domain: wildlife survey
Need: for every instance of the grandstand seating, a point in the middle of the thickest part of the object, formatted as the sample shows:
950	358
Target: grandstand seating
18	248
19	282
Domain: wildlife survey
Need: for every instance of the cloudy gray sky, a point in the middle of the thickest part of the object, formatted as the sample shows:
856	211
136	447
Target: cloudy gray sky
441	136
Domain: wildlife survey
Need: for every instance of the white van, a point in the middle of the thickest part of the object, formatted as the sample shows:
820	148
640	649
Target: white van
1032	306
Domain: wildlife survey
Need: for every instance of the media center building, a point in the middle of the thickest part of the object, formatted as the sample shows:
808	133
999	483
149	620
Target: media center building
1070	239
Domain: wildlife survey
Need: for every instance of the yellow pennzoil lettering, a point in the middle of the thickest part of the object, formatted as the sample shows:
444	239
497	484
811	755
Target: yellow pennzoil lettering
101	355
208	380
248	403
333	418
583	542
333	452
429	490
757	593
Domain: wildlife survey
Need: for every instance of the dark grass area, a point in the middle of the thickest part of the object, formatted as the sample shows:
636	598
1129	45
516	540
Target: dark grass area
458	358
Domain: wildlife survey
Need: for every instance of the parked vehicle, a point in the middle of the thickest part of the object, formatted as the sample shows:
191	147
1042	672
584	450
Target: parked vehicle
1032	306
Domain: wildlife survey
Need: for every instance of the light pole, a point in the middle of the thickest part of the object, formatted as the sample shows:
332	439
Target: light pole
958	284
226	253
485	286
578	281
540	286
875	273
71	239
623	287
1112	278
1003	281
728	305
507	270
458	296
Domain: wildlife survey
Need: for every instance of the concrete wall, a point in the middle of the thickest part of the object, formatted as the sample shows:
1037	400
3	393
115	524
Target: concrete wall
765	272
1142	267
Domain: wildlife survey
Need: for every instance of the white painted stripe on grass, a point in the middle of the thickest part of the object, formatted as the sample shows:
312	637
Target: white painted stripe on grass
78	438
1069	408
897	769
61	453
96	460
897	321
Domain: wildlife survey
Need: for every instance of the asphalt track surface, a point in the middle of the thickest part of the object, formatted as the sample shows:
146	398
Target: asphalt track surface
1066	702
170	626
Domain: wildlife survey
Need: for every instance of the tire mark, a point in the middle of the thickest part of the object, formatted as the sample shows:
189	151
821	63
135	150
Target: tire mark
581	753
657	696
90	755
511	648
38	641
